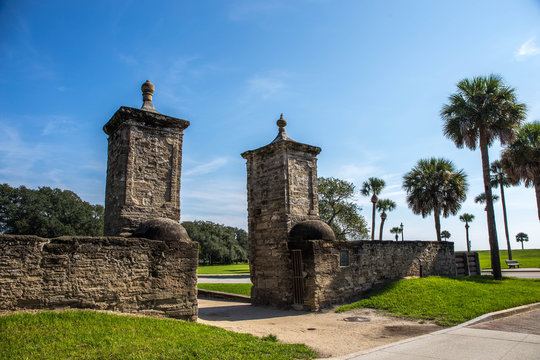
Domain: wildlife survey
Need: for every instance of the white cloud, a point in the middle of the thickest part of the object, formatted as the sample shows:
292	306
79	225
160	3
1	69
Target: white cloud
205	168
58	124
264	87
528	48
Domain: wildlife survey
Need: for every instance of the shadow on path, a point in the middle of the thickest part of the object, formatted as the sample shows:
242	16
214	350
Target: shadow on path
221	310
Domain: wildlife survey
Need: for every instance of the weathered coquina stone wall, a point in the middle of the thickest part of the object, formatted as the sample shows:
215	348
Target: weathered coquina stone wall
107	273
338	271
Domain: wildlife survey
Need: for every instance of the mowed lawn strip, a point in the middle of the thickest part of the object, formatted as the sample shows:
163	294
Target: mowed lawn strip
241	269
94	335
528	258
450	301
240	289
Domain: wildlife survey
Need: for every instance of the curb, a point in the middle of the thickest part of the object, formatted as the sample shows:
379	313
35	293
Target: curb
480	319
222	296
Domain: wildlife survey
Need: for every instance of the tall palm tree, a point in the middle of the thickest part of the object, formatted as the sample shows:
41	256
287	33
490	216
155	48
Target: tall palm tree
434	185
384	205
483	109
521	160
467	218
498	178
521	237
396	230
445	234
373	186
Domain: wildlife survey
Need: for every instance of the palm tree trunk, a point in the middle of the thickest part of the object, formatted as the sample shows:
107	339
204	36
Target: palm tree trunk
506	223
383	218
492	229
373	223
436	215
537	190
468	242
522	248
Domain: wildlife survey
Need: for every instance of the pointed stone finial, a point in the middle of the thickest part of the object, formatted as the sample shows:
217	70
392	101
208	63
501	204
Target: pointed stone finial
282	135
148	91
281	122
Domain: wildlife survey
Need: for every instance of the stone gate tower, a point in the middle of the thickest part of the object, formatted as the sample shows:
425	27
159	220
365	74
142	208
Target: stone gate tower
143	166
282	191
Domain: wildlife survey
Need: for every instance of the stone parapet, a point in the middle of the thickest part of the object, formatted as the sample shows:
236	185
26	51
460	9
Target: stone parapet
107	273
340	271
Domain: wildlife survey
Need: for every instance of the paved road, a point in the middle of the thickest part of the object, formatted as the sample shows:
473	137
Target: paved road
512	337
525	273
224	279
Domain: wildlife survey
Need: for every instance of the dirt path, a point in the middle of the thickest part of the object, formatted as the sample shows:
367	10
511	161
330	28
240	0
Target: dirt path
328	333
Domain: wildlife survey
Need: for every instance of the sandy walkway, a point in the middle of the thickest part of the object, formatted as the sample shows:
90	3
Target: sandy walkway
328	333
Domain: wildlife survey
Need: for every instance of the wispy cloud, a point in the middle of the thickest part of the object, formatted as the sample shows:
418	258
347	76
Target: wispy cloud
264	87
205	168
528	48
55	124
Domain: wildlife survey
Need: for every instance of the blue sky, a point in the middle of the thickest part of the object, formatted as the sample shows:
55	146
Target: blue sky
364	80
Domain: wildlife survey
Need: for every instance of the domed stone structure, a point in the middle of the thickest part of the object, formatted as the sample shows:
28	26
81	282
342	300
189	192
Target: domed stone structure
312	230
162	229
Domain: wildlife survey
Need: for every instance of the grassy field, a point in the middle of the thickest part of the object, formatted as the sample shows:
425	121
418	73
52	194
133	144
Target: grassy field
93	335
242	269
450	301
241	289
527	258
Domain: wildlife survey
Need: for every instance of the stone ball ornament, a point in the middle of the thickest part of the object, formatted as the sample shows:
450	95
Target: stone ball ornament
162	229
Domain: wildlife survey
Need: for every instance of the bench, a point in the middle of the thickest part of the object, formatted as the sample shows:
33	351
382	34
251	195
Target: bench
512	263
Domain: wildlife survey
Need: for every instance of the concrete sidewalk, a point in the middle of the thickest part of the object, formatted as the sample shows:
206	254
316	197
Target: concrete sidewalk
465	342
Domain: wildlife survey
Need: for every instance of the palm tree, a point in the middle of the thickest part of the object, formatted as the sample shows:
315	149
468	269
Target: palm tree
482	110
435	185
467	218
384	205
445	234
481	199
373	186
498	178
521	160
396	230
521	237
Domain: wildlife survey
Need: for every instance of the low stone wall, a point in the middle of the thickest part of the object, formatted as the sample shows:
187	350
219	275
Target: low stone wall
107	273
366	265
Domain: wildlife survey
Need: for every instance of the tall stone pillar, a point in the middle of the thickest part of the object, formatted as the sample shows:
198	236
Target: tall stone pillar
282	191
143	166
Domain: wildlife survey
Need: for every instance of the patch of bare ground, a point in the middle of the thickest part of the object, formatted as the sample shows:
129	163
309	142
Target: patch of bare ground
328	333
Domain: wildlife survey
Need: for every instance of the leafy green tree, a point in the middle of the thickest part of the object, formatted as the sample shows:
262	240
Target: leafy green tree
47	212
483	109
521	160
522	237
373	186
499	178
467	218
338	211
218	243
445	234
434	185
384	205
396	230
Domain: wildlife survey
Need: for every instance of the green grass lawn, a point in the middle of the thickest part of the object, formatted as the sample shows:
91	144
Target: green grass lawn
450	301
527	258
241	289
242	269
93	335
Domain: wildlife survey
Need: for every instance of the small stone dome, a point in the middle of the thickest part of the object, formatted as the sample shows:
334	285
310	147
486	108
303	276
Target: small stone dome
162	229
312	230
